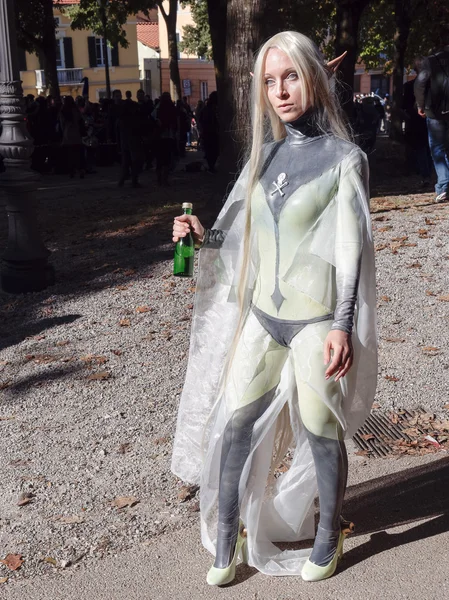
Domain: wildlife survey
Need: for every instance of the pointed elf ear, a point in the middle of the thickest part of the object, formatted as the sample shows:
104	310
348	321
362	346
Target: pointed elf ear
332	65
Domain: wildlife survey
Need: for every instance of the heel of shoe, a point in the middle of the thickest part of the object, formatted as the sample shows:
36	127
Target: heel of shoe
244	553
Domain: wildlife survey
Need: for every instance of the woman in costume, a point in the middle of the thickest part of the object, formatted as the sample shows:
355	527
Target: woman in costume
283	349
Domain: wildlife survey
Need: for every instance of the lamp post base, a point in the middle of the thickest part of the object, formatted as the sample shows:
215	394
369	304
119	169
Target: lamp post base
26	276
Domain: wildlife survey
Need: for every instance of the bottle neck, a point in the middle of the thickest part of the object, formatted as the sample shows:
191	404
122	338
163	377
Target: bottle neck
187	211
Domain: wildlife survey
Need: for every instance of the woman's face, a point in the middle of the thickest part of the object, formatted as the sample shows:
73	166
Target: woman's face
283	86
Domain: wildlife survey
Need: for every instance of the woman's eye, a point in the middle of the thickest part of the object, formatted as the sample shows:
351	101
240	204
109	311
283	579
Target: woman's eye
292	76
269	81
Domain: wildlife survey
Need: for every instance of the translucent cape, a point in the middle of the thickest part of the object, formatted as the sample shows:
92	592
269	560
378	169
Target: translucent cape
273	509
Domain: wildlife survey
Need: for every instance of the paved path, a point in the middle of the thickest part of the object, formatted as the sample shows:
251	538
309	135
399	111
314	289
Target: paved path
401	551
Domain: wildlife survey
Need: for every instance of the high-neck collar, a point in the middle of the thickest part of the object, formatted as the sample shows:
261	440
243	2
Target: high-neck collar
304	129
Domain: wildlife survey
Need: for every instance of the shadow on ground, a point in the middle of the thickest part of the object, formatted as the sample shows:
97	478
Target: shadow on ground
102	236
386	502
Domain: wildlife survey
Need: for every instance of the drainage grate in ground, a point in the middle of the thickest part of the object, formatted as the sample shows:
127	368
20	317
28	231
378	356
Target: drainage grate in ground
402	432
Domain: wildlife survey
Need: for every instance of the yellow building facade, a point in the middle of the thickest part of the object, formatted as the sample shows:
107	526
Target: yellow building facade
197	75
81	54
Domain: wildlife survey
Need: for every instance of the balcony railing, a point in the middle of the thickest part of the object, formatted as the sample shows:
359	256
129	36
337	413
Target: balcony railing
65	77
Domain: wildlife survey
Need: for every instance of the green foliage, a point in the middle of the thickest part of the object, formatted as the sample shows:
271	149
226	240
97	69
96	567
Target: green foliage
196	38
378	30
31	23
314	18
87	15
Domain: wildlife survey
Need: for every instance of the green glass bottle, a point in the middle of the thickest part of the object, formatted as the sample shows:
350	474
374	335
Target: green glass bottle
185	250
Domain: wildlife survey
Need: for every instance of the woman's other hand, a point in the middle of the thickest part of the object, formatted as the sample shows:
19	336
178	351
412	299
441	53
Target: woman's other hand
339	342
185	223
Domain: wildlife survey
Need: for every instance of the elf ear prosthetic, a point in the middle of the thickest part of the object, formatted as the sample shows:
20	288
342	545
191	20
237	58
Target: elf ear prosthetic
332	66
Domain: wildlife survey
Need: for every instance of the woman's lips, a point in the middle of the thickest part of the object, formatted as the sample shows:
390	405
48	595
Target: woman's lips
285	106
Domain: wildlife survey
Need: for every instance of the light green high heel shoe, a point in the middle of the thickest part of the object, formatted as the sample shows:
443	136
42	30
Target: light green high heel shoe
217	576
312	572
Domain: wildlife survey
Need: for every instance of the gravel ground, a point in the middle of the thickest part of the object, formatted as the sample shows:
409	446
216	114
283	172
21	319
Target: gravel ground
91	369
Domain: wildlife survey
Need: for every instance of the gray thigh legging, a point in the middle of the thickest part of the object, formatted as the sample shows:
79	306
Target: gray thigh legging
323	431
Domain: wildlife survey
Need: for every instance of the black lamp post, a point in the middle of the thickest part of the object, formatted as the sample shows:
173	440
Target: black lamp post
24	265
102	5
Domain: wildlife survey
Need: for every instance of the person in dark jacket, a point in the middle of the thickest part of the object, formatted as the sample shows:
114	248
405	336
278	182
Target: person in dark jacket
166	117
415	132
210	131
432	98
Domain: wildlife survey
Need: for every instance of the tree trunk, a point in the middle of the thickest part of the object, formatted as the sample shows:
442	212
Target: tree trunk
49	50
170	22
348	16
217	10
244	34
402	17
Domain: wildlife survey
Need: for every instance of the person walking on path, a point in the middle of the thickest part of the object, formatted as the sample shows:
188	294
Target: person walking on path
432	98
283	348
166	118
416	136
73	129
210	131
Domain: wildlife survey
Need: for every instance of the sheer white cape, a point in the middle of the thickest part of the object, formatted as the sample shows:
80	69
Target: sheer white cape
280	509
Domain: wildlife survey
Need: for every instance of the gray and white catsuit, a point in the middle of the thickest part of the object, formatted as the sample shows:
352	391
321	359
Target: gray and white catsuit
311	242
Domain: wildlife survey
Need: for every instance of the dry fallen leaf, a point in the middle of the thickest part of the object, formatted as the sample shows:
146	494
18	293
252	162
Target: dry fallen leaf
429	293
3	579
187	492
376	405
385	298
415	265
13	561
6	418
391	378
62	343
102	375
50	560
143	309
363	453
430	349
123	448
125	323
380	247
72	520
446	406
123	501
385	228
117	352
394	418
393	339
5	384
24	498
368	436
443	298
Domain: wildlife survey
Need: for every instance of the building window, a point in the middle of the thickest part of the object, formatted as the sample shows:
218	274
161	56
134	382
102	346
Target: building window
100	52
60	62
204	90
380	84
147	82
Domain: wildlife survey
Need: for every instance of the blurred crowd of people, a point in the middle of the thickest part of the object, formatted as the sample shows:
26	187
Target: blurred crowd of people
75	136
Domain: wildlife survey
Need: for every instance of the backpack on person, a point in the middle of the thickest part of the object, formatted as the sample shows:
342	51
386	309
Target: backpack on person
439	85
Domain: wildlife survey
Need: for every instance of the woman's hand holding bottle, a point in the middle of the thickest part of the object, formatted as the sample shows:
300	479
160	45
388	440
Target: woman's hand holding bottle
185	223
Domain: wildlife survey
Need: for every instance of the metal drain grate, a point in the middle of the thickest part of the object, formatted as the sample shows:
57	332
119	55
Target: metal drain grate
379	432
